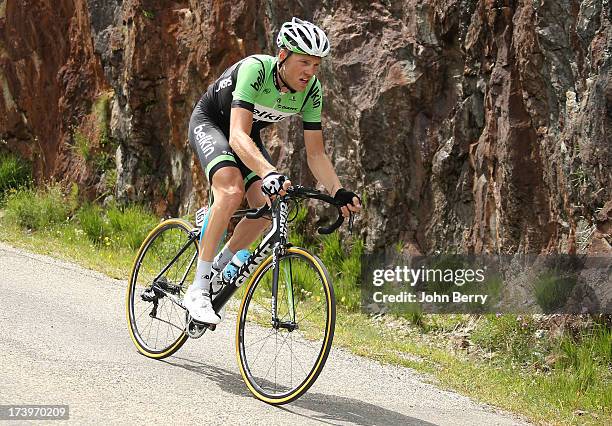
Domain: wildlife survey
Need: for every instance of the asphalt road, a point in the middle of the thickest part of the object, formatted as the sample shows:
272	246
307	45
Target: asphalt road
64	340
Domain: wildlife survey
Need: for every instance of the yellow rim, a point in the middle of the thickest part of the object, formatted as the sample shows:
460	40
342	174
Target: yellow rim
327	334
180	340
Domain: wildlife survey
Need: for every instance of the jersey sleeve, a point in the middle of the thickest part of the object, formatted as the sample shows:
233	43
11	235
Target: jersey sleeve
311	112
249	82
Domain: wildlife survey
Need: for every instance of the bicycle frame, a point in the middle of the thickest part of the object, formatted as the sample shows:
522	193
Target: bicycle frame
275	240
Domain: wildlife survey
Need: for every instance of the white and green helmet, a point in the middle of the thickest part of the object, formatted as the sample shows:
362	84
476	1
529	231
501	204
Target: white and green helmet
303	37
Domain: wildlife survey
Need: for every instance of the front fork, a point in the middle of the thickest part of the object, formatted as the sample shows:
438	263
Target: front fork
279	251
290	323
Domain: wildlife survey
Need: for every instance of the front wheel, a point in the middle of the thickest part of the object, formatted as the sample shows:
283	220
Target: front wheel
280	358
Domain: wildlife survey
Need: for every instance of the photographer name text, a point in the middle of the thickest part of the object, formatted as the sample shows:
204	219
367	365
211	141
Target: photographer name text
407	297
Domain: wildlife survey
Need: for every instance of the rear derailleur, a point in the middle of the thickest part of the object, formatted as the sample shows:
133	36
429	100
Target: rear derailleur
158	290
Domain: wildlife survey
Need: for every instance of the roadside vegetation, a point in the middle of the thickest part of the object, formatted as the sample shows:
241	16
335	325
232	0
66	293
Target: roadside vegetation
552	369
14	174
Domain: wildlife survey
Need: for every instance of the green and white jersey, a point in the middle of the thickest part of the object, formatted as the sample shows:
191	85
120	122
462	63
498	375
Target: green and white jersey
251	84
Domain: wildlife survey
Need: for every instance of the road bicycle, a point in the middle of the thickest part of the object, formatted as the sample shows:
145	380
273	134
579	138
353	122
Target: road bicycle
285	322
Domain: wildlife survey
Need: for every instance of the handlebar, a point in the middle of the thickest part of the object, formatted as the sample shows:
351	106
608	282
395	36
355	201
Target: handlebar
303	192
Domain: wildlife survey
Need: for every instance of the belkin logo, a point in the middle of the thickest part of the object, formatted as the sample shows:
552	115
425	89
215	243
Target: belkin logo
204	140
260	80
316	98
266	116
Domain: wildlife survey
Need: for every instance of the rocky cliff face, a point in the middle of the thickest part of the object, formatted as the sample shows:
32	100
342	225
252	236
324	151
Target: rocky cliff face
470	126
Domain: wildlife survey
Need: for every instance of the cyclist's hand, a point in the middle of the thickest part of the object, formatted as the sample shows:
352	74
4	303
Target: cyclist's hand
350	202
274	184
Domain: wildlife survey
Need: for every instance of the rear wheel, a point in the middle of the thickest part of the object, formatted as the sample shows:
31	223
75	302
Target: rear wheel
155	322
280	360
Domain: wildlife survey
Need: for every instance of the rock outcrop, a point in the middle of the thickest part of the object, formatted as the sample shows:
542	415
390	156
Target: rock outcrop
468	126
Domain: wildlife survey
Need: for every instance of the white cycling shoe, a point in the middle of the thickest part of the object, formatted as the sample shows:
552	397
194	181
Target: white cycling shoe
197	302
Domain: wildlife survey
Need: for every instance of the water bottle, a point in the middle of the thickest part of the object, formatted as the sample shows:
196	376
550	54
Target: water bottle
230	271
237	261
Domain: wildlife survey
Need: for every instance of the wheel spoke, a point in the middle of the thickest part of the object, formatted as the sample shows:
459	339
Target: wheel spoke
308	314
260	349
298	361
262	339
306	343
274	361
156	335
276	367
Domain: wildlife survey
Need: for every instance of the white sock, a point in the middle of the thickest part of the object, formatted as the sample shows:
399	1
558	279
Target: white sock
223	258
203	275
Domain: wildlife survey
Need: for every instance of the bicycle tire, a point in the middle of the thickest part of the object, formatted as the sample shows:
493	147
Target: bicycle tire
138	279
260	386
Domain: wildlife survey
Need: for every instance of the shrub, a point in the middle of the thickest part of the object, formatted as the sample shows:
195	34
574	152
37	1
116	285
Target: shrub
91	219
14	173
37	209
130	225
583	355
552	289
509	334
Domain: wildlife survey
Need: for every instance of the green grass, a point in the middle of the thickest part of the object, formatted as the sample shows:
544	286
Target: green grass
51	214
15	173
98	153
574	373
552	290
101	108
91	219
343	260
104	158
583	363
70	243
82	145
554	396
341	257
130	224
37	209
511	335
508	363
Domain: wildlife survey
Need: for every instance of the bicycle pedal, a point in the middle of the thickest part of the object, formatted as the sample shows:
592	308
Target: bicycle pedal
211	327
195	330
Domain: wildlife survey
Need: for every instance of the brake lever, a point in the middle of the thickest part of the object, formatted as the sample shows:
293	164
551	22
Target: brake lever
259	213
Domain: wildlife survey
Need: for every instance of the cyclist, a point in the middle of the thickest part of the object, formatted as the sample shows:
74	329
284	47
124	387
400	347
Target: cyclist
224	131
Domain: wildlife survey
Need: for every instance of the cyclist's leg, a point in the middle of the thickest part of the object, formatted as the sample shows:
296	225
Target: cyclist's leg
248	230
224	175
219	163
228	192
